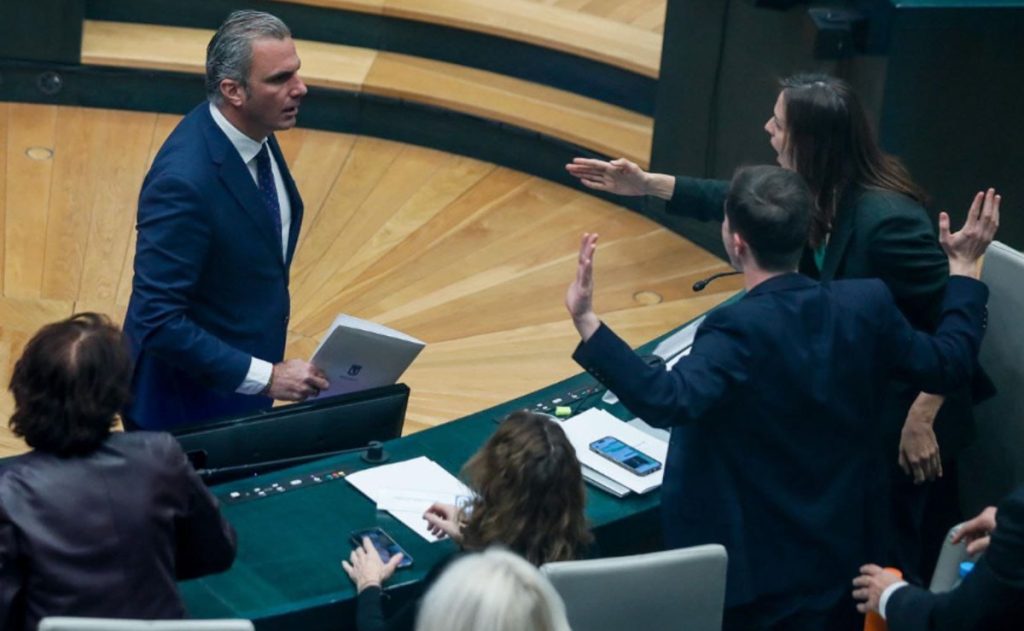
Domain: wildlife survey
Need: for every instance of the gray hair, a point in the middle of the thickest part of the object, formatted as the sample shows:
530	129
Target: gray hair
495	590
229	54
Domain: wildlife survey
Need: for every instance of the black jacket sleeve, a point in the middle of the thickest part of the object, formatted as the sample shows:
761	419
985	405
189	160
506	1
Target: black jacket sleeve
698	198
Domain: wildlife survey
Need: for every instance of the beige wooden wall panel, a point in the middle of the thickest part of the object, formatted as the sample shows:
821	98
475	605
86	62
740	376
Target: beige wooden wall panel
584	121
471	257
621	33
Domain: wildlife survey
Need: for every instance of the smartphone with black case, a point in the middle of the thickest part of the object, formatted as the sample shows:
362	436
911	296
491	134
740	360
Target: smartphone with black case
386	546
627	457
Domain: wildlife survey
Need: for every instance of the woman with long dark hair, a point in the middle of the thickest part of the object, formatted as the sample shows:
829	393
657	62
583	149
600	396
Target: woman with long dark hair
869	222
529	498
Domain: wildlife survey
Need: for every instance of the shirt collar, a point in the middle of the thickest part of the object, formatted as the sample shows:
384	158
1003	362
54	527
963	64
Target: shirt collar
246	146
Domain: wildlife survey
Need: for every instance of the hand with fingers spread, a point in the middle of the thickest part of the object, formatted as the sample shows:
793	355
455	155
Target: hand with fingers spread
365	567
977	531
444	520
579	298
919	449
966	247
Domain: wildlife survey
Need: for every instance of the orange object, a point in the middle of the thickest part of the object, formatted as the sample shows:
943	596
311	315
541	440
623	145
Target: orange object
873	621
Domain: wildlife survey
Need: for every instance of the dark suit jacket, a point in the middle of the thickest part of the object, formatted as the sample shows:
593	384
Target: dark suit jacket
107	534
991	598
885	235
211	286
773	418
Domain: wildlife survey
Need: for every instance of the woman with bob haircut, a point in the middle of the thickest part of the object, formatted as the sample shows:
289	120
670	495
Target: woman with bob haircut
869	221
494	590
529	498
96	523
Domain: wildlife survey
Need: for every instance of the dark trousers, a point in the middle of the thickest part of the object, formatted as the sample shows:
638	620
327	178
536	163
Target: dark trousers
922	514
787	614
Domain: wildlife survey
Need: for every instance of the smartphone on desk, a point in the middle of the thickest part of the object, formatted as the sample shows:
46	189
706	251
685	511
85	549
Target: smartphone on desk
629	458
386	546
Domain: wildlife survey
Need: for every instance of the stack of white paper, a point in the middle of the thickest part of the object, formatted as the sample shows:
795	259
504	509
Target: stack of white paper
359	354
592	424
407	489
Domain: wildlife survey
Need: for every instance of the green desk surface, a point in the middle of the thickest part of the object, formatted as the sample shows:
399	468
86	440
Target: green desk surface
288	571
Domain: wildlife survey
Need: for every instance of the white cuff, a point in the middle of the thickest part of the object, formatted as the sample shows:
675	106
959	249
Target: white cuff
889	591
257	378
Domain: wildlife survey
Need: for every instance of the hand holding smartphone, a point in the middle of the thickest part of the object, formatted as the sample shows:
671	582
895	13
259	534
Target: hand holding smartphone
386	546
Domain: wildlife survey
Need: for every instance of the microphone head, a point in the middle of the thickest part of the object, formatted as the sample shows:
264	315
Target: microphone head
700	285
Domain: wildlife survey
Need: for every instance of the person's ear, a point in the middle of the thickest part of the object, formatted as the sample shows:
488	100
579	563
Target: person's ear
739	246
232	92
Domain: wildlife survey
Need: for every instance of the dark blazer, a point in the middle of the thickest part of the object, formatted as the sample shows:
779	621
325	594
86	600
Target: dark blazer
885	235
107	534
773	417
211	286
991	598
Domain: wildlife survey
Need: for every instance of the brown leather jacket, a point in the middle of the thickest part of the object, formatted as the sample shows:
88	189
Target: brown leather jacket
107	534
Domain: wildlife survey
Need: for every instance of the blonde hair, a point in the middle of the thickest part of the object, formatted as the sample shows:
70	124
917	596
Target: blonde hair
493	591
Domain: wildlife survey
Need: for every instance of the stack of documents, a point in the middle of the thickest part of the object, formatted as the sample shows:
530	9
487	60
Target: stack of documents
593	424
359	355
407	489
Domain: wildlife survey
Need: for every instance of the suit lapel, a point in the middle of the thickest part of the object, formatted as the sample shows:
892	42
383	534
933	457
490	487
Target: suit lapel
238	181
840	239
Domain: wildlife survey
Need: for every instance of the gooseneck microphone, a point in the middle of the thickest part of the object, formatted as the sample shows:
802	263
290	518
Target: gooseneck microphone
701	284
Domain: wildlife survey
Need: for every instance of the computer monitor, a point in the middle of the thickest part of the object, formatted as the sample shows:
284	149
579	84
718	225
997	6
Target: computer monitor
310	428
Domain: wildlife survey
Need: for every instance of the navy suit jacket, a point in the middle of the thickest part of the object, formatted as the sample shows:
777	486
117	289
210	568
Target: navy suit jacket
773	414
211	285
991	598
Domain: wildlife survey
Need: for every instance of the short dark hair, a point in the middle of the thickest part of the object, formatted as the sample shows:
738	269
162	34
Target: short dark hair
770	207
71	380
831	144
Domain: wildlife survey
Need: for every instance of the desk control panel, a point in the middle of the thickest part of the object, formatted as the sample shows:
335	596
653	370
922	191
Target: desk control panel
571	401
261	489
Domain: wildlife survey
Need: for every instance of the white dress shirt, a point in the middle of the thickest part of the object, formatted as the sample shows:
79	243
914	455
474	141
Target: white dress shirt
258	377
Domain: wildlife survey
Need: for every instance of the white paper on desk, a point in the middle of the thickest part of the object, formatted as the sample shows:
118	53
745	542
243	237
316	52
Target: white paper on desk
409	488
592	424
678	341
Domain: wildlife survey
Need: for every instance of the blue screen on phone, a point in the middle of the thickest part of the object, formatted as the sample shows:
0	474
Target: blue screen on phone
636	461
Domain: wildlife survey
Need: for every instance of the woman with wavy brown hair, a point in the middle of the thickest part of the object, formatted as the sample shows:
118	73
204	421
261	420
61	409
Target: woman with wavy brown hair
529	498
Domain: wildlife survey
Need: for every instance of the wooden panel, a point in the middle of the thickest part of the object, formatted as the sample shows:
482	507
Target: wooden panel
119	179
74	176
606	128
28	197
184	50
588	122
471	257
4	109
599	33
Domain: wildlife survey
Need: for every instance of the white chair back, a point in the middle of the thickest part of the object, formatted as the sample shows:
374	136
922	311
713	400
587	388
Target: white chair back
674	589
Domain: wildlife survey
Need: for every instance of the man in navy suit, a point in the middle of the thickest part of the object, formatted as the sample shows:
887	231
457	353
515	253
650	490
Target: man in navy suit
773	411
219	217
990	598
